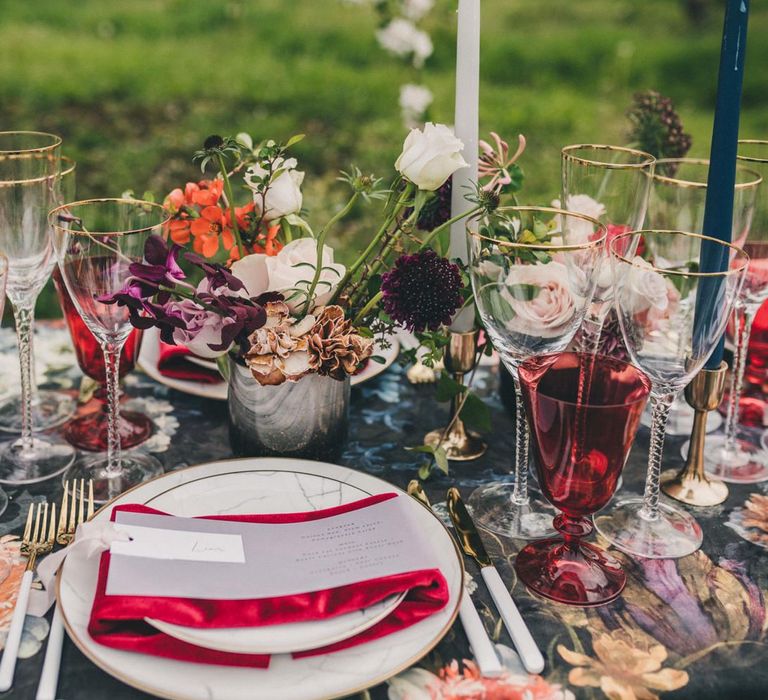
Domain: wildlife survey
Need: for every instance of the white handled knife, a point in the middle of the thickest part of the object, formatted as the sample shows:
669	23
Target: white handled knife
473	546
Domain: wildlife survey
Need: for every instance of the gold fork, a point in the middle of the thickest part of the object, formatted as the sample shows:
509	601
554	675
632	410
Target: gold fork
75	510
37	539
70	518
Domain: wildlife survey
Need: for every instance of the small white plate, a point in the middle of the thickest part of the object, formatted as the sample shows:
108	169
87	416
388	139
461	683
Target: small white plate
285	638
150	354
265	485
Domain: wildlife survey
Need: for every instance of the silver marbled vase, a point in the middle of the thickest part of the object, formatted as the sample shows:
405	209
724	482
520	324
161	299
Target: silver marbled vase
307	419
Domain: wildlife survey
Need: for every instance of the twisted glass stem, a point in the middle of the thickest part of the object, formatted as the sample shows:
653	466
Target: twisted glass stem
744	319
660	405
24	315
112	365
591	330
520	493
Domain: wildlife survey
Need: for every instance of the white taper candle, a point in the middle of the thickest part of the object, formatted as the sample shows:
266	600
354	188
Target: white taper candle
466	125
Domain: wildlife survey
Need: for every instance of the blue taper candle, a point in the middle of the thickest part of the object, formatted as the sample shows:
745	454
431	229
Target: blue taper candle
718	215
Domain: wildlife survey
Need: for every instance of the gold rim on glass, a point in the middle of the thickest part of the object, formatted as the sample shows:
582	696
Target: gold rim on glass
647	158
753	142
544	246
698	184
55	142
69	164
31	155
53	216
680	273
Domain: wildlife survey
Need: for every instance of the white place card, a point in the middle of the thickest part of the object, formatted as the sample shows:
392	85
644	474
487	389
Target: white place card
196	558
156	543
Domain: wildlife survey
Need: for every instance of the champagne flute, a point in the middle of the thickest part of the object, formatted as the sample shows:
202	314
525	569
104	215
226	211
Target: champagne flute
672	317
96	242
737	455
50	409
676	203
533	272
610	184
3	280
30	175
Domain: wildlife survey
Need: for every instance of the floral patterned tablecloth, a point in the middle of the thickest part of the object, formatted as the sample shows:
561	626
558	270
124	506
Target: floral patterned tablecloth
691	628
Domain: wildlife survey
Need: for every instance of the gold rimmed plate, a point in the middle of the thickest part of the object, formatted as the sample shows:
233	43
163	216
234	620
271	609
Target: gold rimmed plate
264	485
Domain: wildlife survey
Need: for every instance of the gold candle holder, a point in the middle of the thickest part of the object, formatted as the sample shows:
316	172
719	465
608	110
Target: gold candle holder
691	485
460	444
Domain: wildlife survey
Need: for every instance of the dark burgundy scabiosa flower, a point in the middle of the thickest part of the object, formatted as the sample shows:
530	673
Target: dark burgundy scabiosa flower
422	291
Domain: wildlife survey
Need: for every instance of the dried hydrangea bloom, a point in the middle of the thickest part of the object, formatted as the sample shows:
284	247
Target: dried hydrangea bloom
335	347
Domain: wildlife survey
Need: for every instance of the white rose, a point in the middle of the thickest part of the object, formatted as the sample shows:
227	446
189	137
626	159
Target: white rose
430	156
643	289
552	307
284	193
579	230
402	38
251	270
293	268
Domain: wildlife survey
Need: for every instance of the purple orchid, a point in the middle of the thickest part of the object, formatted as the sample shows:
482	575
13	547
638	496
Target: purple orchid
217	275
160	266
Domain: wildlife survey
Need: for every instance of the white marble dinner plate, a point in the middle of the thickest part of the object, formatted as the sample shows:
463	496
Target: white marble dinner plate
149	354
262	485
284	638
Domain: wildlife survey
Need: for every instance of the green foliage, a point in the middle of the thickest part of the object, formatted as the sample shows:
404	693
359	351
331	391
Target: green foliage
133	85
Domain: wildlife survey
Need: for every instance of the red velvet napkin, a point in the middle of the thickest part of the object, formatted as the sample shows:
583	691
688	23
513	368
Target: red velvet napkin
174	362
118	621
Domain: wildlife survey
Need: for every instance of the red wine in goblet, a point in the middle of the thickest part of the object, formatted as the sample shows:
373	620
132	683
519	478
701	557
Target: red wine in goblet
89	431
584	411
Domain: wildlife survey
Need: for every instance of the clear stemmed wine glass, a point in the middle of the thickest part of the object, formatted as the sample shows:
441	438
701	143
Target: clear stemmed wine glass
677	203
533	272
672	315
3	280
737	455
581	442
50	409
96	242
611	184
30	174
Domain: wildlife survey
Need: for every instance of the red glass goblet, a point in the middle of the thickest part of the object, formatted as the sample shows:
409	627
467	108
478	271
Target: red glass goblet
89	431
584	411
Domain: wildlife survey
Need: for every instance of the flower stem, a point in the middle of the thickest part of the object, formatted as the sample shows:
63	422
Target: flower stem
436	231
231	202
321	244
352	269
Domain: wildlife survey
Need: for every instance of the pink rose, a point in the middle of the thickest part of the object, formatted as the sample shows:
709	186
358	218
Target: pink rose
541	298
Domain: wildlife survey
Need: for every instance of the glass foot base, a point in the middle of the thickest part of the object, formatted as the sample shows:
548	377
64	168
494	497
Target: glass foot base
46	460
50	409
89	432
136	469
578	575
747	463
672	535
493	509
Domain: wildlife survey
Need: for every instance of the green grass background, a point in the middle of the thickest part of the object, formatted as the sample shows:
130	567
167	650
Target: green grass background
134	87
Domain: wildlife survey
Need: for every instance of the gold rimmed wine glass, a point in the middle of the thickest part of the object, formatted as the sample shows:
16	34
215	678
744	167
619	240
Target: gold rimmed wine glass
96	242
533	273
